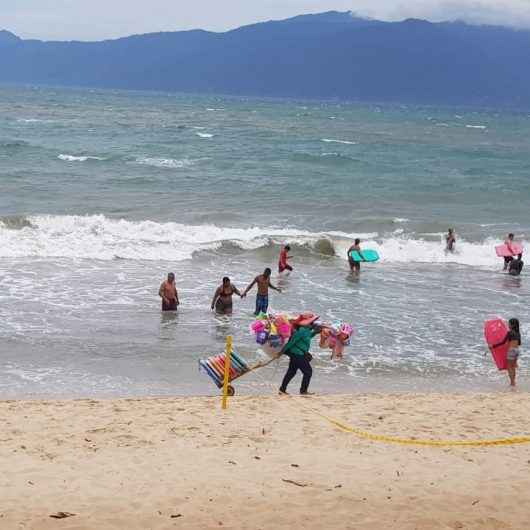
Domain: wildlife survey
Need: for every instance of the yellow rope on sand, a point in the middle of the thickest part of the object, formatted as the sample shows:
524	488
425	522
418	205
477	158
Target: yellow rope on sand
415	441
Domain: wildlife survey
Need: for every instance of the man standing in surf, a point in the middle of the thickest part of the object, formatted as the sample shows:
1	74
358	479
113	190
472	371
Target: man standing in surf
262	298
355	266
169	294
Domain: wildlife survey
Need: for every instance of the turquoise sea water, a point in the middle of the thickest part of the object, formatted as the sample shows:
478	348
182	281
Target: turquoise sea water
103	192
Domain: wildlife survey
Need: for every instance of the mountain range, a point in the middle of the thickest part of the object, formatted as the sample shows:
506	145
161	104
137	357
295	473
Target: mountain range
326	55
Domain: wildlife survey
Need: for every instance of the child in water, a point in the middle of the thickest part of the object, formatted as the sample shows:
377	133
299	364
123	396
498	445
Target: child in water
514	338
283	262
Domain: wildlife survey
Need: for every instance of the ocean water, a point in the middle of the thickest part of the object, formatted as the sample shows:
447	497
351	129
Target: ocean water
103	192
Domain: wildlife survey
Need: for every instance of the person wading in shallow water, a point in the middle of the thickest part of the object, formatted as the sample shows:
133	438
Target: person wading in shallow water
262	298
450	240
355	266
283	262
168	293
222	299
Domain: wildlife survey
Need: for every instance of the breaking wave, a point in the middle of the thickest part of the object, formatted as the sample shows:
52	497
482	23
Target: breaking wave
331	141
73	158
102	238
169	163
15	222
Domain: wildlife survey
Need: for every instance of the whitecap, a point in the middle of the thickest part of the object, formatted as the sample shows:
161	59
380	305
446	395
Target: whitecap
331	140
476	126
204	135
170	163
73	158
33	120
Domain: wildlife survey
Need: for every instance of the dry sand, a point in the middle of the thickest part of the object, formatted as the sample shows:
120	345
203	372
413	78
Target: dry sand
267	462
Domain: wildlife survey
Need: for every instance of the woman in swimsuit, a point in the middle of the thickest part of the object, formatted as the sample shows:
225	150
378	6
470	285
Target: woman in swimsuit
513	337
222	299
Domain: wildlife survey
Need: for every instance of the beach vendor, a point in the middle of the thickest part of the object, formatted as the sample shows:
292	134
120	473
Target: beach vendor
222	299
514	338
169	294
355	266
283	262
299	358
262	299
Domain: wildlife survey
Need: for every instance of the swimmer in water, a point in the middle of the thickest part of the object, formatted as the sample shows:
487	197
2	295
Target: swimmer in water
169	294
450	240
262	299
222	299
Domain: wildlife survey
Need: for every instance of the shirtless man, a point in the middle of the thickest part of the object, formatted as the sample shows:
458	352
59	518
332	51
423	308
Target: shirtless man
355	266
168	293
262	298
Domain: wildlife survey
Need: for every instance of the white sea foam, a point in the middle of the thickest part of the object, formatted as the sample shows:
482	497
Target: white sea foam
204	135
169	163
98	237
476	126
33	120
331	140
400	220
402	249
73	158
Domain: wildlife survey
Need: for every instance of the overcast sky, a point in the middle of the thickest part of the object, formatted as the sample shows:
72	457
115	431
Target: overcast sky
98	19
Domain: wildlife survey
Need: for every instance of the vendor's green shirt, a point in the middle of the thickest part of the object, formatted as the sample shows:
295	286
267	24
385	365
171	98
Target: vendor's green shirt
300	342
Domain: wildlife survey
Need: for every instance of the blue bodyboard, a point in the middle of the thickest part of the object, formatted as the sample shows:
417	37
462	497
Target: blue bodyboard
365	255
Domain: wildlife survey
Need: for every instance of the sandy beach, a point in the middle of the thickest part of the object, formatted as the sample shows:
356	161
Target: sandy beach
267	462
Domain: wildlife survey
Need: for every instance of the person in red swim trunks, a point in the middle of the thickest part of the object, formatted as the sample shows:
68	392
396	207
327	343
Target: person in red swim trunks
283	264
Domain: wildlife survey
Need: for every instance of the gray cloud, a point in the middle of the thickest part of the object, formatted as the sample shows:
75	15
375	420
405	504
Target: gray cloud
502	12
98	19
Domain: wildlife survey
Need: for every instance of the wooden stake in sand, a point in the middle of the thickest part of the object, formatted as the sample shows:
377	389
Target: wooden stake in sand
228	354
